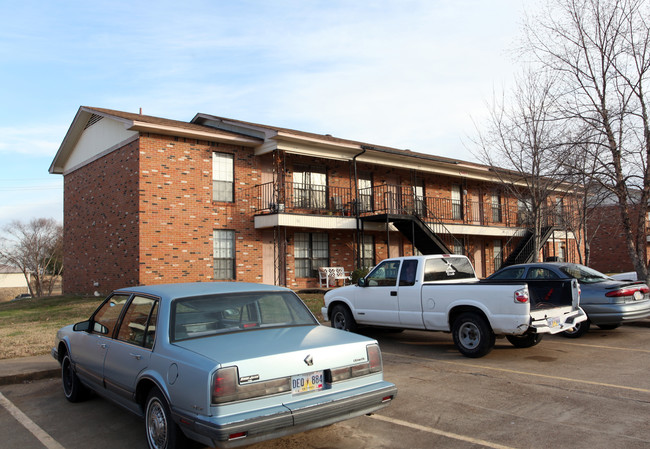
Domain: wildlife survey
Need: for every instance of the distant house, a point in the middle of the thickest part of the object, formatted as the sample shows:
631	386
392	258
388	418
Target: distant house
12	282
151	200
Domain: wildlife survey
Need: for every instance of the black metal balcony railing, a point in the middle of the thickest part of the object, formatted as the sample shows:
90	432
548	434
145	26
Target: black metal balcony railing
387	199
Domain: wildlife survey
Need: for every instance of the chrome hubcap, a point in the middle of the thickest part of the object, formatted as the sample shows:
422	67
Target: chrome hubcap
157	425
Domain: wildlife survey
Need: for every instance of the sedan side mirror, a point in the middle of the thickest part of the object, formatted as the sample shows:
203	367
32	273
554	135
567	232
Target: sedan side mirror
84	326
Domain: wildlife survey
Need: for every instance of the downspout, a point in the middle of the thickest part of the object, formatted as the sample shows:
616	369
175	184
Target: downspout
356	204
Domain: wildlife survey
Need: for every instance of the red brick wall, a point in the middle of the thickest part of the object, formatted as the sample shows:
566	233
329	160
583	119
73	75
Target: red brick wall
101	223
608	249
178	215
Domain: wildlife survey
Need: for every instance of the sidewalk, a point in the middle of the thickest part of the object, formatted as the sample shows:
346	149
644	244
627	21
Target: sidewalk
13	371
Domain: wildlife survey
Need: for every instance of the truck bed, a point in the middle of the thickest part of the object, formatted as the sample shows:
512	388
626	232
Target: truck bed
544	293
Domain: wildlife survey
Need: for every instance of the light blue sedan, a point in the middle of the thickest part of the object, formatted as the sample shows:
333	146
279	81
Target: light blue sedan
225	364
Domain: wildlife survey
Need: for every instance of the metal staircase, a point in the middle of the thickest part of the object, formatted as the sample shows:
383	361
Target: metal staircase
525	250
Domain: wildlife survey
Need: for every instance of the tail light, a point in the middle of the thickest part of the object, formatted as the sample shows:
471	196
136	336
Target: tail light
373	365
374	358
226	386
521	296
629	291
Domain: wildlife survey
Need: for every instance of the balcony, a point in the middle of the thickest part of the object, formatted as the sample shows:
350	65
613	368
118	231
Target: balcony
305	199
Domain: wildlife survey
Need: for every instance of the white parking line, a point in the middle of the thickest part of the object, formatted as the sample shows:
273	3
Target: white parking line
504	370
43	437
455	436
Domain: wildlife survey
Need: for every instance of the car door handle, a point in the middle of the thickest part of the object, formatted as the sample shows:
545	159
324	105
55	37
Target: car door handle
393	293
103	346
135	356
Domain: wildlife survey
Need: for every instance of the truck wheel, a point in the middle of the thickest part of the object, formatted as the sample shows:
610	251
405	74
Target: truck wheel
527	340
472	335
578	331
342	318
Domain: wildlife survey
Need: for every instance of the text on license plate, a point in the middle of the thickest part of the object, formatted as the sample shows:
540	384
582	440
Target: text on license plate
307	382
553	322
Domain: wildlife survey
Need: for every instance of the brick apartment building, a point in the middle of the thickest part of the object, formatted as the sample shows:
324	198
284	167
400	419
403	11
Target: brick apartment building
150	200
608	250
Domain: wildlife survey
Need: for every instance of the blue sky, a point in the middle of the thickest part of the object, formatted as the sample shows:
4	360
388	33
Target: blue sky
403	73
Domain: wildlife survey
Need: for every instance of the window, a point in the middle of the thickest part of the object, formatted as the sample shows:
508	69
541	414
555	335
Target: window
202	316
407	275
448	269
139	323
498	254
541	273
224	254
365	193
559	211
105	319
458	247
509	273
418	198
495	202
524	212
456	202
385	275
310	252
367	251
222	177
310	188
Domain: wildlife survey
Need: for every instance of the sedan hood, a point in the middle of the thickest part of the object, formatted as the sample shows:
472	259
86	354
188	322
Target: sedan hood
273	353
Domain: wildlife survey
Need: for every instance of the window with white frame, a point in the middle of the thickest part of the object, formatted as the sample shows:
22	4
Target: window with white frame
498	254
367	251
224	254
222	177
365	192
311	250
495	202
456	202
310	187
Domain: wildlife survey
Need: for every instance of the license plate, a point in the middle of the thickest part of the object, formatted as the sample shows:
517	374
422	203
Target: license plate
553	322
307	382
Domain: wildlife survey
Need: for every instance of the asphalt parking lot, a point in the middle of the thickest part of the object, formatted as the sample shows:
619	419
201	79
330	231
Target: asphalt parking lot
593	392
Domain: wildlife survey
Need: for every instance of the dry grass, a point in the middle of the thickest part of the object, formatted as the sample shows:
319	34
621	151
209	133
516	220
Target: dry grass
28	327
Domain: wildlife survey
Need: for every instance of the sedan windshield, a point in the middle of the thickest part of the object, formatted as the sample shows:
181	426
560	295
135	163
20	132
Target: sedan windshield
584	274
209	315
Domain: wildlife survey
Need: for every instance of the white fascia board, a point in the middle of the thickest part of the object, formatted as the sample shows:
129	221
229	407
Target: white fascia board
562	235
487	231
305	221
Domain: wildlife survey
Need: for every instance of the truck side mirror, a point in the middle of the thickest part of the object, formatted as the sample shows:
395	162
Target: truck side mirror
361	282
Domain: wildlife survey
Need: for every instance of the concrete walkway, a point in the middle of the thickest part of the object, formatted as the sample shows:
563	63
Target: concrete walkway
24	369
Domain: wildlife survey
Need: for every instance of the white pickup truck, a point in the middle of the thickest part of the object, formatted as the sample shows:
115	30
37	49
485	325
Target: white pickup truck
441	293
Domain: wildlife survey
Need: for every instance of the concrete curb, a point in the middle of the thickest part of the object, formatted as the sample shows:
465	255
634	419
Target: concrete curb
26	369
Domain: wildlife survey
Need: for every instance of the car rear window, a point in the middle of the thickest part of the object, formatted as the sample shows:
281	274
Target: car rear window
448	269
584	274
214	314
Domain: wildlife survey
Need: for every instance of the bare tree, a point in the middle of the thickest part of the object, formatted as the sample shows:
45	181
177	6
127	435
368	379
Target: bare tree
523	144
35	248
600	53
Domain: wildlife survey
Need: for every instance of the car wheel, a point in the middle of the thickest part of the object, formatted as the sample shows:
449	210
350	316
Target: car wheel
342	318
527	340
472	335
72	387
162	431
608	327
578	331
